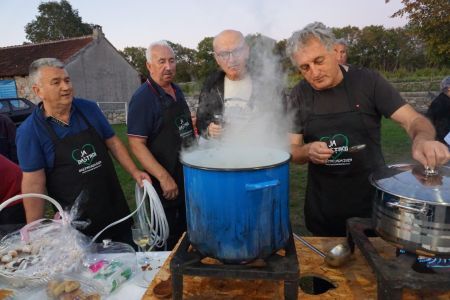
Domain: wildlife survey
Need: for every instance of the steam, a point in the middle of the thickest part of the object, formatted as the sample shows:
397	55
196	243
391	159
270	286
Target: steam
267	124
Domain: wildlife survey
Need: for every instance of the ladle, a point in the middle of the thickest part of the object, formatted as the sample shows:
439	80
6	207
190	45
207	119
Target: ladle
336	256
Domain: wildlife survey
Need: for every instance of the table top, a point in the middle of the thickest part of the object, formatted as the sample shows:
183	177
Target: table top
134	289
131	289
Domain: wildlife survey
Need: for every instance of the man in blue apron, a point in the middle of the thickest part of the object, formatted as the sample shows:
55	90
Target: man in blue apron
337	107
63	150
159	125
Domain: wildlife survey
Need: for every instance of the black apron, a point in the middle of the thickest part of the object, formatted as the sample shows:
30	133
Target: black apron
83	166
340	189
176	131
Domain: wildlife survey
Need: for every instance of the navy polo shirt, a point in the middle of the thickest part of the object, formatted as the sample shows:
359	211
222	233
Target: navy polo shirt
146	107
35	148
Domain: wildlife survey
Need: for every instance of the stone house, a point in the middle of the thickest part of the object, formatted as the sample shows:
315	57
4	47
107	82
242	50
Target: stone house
97	70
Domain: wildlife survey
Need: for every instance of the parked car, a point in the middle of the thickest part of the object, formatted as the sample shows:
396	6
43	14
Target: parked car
18	109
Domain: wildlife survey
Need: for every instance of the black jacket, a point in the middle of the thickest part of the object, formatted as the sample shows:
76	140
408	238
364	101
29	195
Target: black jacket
211	101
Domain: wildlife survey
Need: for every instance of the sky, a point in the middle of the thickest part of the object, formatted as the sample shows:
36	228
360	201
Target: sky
140	22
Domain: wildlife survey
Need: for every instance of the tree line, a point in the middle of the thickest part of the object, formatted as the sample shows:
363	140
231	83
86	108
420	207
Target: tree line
422	43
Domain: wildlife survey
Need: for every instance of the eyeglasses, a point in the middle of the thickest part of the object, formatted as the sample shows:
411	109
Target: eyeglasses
226	55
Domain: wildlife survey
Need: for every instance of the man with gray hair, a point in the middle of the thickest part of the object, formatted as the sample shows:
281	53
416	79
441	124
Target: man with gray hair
159	125
63	150
335	109
439	112
340	47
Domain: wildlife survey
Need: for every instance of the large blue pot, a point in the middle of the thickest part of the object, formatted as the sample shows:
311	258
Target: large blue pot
238	214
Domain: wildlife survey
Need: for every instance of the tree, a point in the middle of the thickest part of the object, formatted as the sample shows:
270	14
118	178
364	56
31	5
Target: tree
136	57
430	19
186	65
205	58
56	21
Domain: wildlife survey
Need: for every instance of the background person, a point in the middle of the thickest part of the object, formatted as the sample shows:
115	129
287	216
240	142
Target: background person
159	125
341	47
439	112
63	149
335	109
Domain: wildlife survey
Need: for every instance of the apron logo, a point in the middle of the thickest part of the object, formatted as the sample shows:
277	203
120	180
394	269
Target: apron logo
184	127
85	156
338	143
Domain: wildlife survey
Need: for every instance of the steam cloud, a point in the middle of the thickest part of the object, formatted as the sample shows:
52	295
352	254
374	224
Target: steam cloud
252	143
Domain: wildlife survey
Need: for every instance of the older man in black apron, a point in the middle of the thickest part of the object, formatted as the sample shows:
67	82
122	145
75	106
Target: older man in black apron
63	149
159	125
337	107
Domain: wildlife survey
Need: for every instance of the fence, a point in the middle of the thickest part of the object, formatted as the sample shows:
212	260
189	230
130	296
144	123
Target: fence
115	112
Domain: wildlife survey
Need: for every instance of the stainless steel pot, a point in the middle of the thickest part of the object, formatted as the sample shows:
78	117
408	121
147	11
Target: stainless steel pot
412	208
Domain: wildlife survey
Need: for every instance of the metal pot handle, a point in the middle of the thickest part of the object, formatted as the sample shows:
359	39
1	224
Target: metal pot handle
261	185
422	210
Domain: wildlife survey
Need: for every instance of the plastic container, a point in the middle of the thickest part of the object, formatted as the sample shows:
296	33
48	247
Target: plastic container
109	265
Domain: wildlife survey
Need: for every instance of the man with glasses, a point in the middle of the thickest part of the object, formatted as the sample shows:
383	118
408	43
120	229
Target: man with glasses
229	89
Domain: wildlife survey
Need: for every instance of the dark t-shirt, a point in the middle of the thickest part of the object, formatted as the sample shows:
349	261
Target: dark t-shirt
439	114
374	95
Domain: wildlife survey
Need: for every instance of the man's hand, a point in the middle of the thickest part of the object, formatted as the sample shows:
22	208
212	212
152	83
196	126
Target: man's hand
430	153
214	130
169	187
319	153
139	176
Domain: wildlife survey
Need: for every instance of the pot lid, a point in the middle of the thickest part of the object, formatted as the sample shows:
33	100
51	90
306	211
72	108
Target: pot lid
414	182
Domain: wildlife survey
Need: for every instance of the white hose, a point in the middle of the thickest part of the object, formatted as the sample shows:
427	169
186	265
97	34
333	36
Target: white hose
156	223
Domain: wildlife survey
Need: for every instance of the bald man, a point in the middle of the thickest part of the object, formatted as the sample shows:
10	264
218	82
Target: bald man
230	88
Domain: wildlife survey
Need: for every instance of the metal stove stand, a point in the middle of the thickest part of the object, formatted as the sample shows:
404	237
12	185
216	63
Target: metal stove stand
280	268
393	275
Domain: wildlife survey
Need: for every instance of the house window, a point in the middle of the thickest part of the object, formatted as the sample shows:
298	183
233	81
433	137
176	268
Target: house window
8	89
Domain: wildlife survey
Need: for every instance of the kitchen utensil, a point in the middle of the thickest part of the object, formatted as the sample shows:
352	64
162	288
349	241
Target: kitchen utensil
237	201
412	207
357	148
337	256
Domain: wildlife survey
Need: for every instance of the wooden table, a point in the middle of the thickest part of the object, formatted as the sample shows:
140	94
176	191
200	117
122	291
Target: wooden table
355	280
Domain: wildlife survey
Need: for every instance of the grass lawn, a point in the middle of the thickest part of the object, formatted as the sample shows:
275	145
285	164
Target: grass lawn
396	148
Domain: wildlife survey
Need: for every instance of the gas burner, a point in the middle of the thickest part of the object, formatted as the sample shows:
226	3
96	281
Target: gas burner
435	262
187	261
406	271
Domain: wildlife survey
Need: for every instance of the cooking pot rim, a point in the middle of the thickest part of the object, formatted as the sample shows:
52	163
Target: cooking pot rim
237	169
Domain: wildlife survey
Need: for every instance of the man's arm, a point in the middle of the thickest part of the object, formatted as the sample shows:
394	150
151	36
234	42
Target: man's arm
425	149
315	152
152	166
121	154
34	182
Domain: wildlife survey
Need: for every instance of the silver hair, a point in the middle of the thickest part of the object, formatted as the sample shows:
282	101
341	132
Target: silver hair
445	84
342	42
313	30
162	43
35	67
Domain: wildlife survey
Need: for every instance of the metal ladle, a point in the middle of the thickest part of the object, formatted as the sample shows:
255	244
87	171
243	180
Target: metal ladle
336	256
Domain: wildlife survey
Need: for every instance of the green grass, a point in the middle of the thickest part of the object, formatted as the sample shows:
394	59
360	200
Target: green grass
395	144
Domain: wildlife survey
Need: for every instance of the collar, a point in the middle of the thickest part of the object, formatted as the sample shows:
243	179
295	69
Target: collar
158	90
54	119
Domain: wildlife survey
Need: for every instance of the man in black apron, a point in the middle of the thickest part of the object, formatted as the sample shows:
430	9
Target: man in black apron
159	125
76	165
337	107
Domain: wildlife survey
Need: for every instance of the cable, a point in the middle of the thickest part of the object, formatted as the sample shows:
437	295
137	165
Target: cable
156	222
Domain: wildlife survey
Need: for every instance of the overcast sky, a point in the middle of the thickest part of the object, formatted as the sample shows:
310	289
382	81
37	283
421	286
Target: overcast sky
187	22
